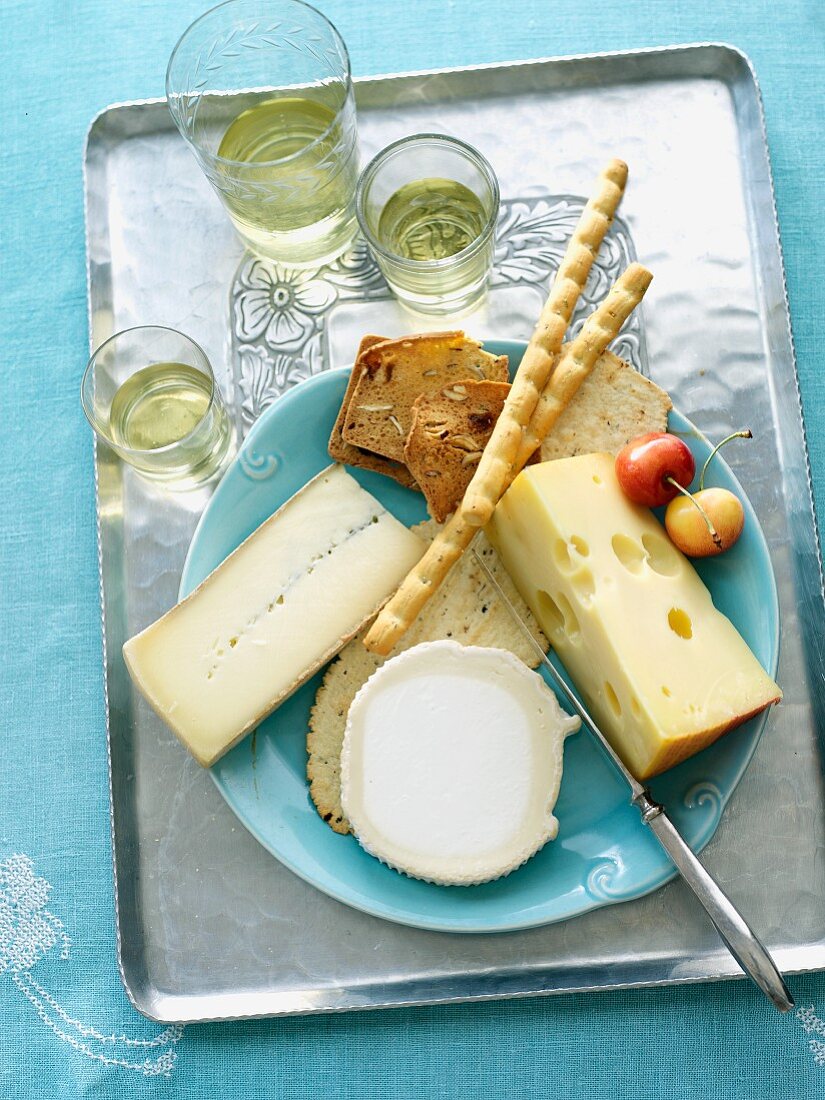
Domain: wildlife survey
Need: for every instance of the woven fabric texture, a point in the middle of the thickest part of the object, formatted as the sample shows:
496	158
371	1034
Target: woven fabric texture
68	1028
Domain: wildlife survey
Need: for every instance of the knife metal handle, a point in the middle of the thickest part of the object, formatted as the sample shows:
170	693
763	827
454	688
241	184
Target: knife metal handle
740	939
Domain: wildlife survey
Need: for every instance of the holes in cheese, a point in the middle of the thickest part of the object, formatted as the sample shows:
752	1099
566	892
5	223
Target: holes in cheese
268	617
562	555
644	622
653	551
567	552
559	616
629	553
679	622
612	699
552	619
585	585
662	555
571	623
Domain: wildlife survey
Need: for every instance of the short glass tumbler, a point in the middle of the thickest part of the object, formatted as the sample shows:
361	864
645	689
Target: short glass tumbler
261	90
150	394
428	206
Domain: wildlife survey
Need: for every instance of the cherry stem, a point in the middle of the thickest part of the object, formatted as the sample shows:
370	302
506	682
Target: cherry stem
714	534
745	434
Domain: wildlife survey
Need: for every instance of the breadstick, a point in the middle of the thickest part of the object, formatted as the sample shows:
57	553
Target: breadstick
424	579
496	464
402	609
579	357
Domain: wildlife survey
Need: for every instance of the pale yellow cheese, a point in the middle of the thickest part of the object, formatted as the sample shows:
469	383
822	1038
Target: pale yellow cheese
662	670
268	617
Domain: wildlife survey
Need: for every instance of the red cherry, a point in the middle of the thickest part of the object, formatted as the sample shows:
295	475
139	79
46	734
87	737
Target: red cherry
644	465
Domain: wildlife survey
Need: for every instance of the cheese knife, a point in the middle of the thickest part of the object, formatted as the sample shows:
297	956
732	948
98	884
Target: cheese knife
736	934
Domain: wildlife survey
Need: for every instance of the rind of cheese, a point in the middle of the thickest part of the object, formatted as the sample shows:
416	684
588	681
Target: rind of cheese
663	671
452	761
276	610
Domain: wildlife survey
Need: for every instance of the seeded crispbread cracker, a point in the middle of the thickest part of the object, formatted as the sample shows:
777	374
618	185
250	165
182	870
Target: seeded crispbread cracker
613	405
466	608
394	373
447	437
342	451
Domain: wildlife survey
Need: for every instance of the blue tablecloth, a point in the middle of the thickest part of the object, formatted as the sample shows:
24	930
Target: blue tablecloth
68	1029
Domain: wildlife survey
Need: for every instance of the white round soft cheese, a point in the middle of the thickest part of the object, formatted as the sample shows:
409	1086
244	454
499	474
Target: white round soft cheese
452	761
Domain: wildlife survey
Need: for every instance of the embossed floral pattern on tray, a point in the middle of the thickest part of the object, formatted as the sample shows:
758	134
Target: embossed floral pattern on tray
279	314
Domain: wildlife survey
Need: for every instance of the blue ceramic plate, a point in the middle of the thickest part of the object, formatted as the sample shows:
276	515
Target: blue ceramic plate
603	852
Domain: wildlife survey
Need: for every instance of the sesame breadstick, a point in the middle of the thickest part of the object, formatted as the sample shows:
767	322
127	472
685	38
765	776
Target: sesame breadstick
496	463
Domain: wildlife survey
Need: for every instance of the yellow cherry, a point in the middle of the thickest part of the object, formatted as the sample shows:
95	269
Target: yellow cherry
705	524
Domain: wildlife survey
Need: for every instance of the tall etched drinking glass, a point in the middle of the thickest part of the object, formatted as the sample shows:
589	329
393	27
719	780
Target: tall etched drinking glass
261	91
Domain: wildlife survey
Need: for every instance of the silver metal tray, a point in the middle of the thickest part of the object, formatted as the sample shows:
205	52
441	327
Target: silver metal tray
209	925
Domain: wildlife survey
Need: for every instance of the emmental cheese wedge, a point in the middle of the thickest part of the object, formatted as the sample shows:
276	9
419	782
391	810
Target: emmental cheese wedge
277	609
663	672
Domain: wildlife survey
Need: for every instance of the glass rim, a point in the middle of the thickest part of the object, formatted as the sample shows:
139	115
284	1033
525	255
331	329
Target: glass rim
371	169
280	160
95	423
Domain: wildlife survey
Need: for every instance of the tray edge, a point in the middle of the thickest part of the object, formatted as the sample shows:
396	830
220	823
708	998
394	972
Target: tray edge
683	49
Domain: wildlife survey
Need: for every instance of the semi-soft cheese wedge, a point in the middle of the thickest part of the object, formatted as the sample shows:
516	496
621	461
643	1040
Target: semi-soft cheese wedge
663	671
452	761
268	617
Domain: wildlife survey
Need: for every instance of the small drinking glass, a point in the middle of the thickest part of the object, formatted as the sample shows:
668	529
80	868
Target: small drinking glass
427	206
261	90
150	394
